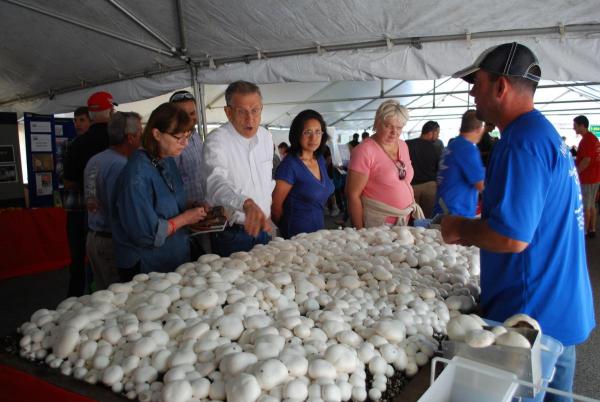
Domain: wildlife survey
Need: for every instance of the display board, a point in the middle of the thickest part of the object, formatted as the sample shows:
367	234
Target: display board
11	176
46	140
64	133
595	129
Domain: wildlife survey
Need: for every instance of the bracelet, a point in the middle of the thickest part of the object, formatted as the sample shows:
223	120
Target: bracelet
172	226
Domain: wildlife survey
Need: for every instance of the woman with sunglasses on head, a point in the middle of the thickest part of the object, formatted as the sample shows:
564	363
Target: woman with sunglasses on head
302	184
150	212
379	174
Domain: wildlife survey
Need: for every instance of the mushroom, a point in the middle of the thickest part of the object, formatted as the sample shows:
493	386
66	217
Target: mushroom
513	338
177	391
270	373
459	326
242	388
522	320
479	338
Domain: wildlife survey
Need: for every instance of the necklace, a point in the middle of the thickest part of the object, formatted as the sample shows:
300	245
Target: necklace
398	163
394	155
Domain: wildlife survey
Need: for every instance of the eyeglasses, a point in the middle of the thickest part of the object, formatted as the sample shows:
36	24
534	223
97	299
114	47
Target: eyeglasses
401	169
181	139
182	96
255	112
308	133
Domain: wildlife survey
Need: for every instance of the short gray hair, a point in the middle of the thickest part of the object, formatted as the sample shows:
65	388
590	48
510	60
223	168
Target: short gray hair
121	124
240	87
390	108
102	115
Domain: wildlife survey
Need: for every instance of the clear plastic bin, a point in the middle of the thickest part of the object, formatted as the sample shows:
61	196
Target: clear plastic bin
465	380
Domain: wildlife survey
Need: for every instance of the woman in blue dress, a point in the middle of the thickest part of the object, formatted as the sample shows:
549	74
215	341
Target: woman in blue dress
302	184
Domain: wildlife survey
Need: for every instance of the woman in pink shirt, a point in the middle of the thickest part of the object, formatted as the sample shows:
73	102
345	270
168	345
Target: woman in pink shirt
378	185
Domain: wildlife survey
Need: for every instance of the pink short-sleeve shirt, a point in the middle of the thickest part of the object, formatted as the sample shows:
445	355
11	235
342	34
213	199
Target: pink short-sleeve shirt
383	185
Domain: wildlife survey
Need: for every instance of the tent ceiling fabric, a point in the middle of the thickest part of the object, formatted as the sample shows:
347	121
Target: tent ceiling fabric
45	55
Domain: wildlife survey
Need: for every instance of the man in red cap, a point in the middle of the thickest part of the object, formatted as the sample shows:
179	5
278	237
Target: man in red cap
95	140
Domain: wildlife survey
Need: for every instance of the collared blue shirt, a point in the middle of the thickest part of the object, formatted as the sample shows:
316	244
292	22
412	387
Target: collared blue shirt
460	169
533	195
100	177
147	197
189	165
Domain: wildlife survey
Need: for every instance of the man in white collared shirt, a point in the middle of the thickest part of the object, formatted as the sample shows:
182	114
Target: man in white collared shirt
237	165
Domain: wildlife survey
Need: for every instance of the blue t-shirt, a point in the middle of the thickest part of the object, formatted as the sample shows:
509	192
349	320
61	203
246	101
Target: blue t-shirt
145	199
533	195
303	208
100	176
460	169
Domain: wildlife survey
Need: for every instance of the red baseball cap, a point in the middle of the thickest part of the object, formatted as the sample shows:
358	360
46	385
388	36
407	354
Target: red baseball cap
100	101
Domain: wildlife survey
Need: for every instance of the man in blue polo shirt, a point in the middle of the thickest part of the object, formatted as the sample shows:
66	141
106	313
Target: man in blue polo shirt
531	232
461	171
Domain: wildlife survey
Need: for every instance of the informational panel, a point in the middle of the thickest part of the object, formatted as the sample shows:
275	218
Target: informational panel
41	150
11	177
595	129
64	133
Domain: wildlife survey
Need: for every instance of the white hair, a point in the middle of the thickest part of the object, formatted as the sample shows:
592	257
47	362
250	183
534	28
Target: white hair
390	108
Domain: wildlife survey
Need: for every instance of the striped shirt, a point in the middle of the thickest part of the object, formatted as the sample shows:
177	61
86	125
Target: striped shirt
188	164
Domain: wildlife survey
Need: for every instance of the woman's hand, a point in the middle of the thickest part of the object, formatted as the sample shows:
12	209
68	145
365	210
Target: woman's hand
189	217
194	215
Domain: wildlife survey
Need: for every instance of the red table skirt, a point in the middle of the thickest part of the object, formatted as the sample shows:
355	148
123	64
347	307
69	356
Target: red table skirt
17	386
33	240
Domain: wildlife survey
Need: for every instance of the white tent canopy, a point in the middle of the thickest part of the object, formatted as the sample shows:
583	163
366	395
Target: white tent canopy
55	54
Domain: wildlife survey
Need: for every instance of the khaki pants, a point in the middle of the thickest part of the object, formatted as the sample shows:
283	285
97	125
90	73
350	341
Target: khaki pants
102	258
425	196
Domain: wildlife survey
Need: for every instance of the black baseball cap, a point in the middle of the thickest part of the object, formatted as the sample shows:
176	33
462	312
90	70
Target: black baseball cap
510	59
181	96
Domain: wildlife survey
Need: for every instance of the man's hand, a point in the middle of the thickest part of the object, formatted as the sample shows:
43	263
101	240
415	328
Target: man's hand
256	220
451	229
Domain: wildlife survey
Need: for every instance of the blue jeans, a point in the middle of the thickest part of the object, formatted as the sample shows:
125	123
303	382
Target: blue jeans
563	377
234	239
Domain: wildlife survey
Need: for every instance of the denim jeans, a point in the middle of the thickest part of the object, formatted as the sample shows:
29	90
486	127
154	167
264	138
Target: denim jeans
563	377
234	239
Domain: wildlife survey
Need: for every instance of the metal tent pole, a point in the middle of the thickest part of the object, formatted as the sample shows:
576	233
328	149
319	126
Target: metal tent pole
143	25
87	26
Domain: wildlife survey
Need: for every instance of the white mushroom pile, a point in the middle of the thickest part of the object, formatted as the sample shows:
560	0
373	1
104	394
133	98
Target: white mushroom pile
300	319
472	330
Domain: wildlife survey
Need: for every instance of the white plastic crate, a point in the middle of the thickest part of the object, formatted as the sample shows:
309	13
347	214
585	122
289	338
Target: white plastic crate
465	380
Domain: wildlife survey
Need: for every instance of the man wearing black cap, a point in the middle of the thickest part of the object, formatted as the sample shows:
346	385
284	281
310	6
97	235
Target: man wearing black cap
531	231
189	160
189	163
95	140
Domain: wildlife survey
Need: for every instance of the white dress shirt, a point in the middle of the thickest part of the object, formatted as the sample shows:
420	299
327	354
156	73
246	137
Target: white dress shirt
236	168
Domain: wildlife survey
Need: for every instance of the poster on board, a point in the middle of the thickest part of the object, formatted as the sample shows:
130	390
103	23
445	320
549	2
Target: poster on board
43	184
40	126
7	154
8	173
41	143
42	162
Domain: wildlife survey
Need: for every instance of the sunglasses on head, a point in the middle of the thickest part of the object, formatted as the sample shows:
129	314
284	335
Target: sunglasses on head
181	96
401	169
